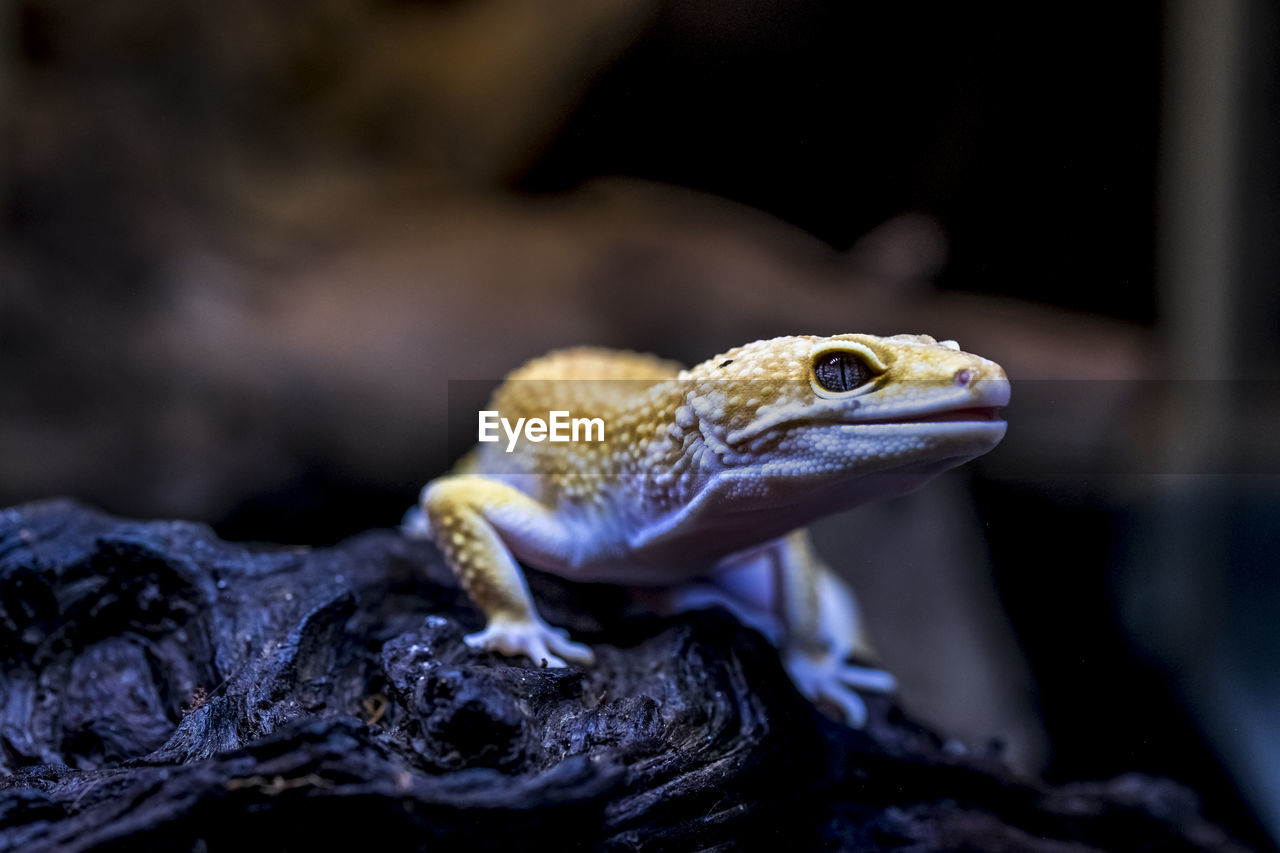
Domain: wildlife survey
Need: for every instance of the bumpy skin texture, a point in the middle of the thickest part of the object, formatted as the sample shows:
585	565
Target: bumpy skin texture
703	482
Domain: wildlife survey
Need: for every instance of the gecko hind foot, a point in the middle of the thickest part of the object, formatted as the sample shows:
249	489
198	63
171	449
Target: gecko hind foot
828	678
537	641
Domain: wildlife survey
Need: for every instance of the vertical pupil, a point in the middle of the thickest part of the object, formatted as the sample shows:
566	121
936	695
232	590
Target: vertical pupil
839	371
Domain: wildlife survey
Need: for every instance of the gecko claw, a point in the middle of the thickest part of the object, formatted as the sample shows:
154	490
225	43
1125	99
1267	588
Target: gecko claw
542	644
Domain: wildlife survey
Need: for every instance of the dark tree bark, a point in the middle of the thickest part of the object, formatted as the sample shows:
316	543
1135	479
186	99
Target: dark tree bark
162	689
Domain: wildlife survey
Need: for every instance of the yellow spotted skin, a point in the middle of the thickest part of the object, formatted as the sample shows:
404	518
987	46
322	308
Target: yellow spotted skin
704	473
626	390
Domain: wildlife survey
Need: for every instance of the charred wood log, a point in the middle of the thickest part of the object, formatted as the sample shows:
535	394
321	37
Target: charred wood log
162	689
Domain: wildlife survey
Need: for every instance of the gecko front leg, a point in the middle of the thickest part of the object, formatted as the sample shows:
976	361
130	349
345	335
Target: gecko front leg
472	519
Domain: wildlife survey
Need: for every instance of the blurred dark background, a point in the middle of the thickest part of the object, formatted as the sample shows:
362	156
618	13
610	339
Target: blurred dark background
246	247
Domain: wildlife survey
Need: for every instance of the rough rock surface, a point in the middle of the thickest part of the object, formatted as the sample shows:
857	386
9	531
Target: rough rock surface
161	689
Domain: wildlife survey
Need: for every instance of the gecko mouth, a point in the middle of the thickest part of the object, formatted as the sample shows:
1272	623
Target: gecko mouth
976	414
982	413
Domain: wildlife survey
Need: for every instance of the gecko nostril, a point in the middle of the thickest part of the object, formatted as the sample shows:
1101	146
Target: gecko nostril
963	377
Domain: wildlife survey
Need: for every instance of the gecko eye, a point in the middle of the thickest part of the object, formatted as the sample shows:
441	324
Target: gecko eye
841	371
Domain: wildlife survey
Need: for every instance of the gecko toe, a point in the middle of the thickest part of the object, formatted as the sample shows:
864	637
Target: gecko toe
537	641
824	678
851	706
866	678
576	652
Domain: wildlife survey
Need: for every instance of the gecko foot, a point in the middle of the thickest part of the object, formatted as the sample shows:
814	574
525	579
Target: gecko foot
536	640
826	677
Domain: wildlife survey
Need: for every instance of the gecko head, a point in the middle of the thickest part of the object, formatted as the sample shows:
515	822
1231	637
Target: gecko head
827	409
